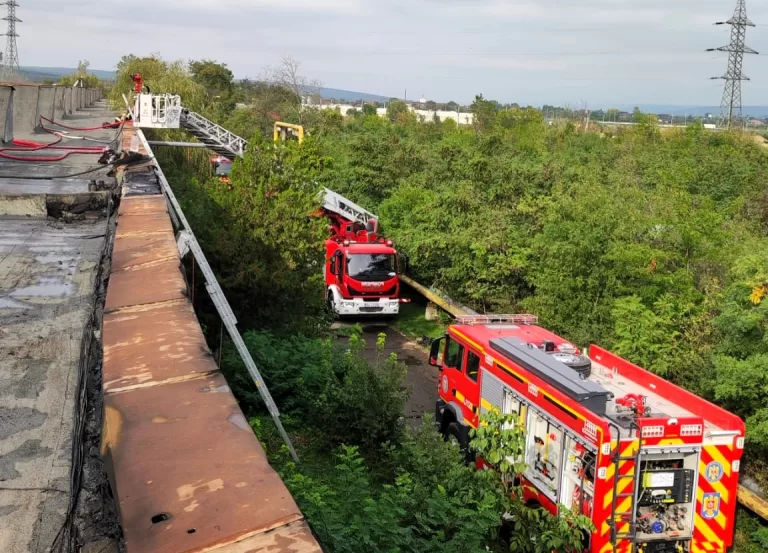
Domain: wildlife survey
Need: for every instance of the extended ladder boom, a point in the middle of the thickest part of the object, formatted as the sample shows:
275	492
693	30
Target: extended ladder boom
165	111
216	137
336	203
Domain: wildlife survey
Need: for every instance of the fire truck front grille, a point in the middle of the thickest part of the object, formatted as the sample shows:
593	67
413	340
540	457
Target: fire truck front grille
386	293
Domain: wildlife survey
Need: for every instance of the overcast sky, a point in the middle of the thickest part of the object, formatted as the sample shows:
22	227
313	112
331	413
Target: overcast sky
600	52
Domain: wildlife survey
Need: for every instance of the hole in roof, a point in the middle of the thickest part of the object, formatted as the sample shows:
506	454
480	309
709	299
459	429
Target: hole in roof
191	531
160	517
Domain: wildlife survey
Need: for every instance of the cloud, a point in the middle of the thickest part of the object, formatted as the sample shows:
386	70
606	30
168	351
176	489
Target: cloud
531	51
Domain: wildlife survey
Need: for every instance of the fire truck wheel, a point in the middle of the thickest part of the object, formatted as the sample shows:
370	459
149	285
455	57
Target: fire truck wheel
579	363
453	435
329	307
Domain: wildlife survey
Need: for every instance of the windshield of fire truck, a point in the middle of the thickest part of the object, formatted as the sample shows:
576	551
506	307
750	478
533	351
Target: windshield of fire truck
371	267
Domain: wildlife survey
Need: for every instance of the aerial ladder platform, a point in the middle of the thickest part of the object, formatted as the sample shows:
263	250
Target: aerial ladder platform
164	111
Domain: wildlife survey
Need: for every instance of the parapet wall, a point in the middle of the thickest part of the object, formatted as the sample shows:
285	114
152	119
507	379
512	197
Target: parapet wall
22	105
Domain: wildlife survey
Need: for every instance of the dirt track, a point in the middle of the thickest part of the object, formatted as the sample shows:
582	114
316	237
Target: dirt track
422	379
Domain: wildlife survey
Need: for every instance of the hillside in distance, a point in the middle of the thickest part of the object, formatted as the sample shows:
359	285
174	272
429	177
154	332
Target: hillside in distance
40	74
351	96
694	111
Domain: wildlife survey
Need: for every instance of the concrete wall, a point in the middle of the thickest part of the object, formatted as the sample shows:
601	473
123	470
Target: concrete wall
25	117
46	101
60	104
32	101
5	96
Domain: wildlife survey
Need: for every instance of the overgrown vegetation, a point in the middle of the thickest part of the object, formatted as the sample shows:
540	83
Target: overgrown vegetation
649	243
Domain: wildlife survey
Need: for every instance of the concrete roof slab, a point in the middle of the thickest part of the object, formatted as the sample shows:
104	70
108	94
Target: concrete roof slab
295	537
143	205
138	249
47	281
144	224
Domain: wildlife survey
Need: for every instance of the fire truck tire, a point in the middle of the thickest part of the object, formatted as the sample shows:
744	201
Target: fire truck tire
579	363
329	306
453	434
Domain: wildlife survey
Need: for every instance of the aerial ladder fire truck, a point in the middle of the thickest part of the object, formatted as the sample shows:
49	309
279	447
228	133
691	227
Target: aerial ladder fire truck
652	465
361	267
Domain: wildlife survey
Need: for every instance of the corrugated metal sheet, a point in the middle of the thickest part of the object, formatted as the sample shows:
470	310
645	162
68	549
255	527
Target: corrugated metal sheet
492	390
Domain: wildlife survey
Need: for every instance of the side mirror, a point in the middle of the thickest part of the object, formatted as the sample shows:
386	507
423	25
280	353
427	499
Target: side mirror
339	264
434	353
333	265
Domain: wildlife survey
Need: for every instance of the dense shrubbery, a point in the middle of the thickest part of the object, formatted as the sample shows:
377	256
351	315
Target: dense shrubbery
329	388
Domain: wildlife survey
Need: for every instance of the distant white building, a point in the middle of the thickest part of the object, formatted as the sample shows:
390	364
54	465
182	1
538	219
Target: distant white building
428	115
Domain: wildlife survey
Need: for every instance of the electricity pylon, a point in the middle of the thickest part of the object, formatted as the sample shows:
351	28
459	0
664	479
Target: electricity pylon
10	61
730	107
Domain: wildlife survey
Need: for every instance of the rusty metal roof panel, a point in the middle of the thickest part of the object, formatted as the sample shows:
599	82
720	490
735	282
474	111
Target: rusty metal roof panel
145	223
295	537
188	473
142	205
139	249
145	284
153	345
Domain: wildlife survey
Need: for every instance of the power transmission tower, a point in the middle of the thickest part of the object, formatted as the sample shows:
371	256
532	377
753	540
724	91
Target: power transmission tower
11	58
730	107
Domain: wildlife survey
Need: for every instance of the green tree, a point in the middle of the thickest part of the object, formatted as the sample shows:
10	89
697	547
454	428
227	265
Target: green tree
484	114
264	238
369	109
396	110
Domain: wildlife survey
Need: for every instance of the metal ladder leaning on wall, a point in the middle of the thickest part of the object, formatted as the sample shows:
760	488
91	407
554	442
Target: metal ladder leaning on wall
169	117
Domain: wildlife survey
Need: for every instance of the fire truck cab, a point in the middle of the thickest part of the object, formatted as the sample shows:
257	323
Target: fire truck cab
654	466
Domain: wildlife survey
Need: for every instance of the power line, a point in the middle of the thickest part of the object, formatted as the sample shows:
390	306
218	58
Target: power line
730	106
10	61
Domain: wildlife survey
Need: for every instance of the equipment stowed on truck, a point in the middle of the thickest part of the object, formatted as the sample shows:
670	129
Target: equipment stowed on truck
652	465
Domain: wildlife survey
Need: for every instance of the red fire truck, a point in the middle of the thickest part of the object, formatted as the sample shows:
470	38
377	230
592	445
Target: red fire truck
654	466
361	268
